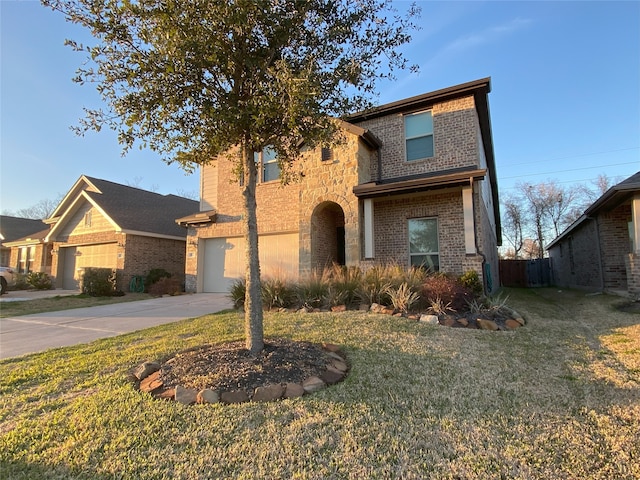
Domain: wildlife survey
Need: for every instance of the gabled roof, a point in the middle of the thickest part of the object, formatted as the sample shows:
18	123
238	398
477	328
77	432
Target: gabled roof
129	209
14	228
615	196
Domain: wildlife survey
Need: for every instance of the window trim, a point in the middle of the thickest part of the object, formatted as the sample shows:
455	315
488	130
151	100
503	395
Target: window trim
435	253
429	134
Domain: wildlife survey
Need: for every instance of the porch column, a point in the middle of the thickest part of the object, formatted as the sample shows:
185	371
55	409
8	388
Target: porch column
368	228
469	223
635	224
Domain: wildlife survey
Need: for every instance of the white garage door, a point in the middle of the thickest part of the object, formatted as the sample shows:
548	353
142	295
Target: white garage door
80	257
224	259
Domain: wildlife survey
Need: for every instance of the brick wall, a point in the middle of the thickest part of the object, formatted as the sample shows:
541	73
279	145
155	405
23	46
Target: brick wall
141	254
615	245
455	140
595	268
391	231
575	261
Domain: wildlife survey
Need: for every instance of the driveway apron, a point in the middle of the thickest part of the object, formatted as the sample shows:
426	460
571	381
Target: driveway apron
41	331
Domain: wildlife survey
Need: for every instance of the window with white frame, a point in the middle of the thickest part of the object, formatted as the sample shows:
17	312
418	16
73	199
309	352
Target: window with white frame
270	167
423	243
418	134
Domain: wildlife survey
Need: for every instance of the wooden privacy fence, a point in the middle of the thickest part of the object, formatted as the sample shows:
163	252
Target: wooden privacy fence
525	273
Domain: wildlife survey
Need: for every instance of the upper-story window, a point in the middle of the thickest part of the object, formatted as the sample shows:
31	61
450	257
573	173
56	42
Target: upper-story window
418	134
270	167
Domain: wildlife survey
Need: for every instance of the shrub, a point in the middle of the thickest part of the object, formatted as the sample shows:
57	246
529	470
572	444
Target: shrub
374	286
39	280
345	283
335	297
471	280
154	275
166	286
403	298
277	293
312	291
439	307
237	293
99	282
447	289
20	282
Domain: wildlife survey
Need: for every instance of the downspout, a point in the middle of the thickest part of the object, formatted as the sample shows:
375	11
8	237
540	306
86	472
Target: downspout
595	219
475	242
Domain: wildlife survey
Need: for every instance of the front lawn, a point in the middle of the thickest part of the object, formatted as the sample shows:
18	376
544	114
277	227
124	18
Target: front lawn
558	398
63	302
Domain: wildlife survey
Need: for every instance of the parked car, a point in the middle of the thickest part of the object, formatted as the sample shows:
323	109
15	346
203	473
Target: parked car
7	277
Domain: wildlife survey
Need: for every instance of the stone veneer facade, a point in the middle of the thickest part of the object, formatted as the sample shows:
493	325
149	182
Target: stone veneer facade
323	198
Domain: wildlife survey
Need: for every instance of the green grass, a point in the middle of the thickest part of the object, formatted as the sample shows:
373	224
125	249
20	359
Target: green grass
420	402
63	302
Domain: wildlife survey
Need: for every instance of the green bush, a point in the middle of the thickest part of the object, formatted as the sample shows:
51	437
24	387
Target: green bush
154	275
20	282
277	293
99	282
403	298
345	283
237	293
39	280
312	290
471	280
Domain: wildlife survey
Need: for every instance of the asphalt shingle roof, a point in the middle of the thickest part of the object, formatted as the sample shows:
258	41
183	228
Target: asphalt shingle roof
140	210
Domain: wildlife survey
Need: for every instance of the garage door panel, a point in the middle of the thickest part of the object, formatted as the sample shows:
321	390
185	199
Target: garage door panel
76	259
224	259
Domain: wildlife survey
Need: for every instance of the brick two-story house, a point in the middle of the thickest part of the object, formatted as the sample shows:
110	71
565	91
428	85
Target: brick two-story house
413	183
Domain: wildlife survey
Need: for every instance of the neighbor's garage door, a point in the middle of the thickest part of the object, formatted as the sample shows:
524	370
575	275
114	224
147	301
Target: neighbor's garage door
224	259
104	255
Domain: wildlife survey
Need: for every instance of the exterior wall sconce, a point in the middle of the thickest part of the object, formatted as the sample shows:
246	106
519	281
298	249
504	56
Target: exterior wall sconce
120	245
54	252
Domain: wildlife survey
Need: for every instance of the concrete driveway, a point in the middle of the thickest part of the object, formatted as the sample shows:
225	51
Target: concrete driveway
41	331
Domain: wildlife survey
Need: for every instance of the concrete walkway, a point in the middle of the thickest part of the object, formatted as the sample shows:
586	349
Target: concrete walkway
41	331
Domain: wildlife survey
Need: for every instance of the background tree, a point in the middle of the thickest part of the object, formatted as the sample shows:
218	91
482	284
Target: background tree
535	214
194	79
39	211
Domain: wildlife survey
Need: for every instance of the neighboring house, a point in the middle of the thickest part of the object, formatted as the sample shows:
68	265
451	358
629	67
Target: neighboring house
601	250
23	237
413	183
104	224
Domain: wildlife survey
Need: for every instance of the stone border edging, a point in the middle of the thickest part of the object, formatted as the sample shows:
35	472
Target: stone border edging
146	378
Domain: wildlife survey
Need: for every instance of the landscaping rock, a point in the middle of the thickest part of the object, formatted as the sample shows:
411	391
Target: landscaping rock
151	382
463	321
236	396
487	324
293	390
268	393
165	394
331	347
339	308
339	365
331	376
207	396
335	356
449	321
512	324
146	369
313	384
186	396
429	319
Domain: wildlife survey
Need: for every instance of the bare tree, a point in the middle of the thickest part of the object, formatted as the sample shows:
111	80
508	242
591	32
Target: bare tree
39	211
513	223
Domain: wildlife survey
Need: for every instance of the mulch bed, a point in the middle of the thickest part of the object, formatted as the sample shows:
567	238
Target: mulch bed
230	366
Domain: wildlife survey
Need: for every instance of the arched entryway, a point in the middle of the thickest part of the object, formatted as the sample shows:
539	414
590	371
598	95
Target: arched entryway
327	236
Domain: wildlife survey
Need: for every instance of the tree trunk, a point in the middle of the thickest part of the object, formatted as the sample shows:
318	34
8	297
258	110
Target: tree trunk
253	328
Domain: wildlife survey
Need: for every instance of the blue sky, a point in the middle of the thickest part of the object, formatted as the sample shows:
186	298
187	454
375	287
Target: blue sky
565	101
